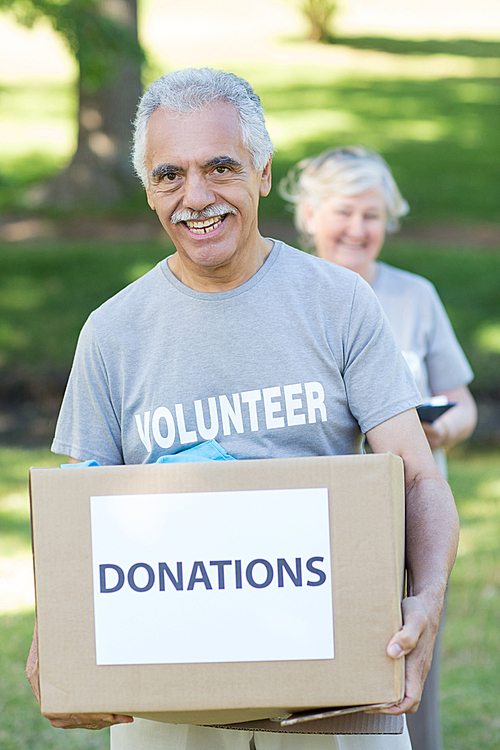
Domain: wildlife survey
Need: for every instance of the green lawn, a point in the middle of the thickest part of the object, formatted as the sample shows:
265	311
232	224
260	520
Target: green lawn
471	663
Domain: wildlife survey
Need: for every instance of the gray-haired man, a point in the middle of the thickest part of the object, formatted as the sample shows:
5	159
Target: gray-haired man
244	339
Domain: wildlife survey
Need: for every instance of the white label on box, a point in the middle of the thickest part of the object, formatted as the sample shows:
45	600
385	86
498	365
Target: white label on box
212	577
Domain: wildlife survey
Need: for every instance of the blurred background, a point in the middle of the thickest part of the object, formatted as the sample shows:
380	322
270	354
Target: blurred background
418	82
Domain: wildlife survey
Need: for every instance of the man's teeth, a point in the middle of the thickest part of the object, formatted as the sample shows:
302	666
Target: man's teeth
205	225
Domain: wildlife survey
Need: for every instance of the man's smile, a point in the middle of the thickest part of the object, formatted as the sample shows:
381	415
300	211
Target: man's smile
204	226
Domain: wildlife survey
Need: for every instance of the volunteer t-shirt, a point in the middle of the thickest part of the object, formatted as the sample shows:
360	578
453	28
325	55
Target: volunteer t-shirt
298	361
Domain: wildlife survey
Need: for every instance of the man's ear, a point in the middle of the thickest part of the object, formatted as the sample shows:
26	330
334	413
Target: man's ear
150	199
265	180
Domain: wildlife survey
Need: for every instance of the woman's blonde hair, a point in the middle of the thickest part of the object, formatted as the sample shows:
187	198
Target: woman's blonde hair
347	170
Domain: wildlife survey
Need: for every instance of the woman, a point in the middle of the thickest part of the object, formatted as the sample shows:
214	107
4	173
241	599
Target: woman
345	201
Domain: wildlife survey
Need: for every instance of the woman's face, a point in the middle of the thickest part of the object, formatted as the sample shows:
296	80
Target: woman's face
349	229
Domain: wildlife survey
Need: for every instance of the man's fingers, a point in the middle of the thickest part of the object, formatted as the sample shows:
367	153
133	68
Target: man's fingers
405	640
86	721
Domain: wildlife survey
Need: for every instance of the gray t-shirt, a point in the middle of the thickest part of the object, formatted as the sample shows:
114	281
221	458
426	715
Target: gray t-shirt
422	330
292	363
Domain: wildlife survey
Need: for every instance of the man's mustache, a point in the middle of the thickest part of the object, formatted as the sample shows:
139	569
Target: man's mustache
187	214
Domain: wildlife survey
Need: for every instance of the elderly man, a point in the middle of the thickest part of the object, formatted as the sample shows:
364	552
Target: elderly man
244	339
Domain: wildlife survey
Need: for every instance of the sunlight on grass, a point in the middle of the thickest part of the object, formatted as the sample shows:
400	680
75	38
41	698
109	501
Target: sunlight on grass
22	293
37	119
289	128
12	338
488	337
57	138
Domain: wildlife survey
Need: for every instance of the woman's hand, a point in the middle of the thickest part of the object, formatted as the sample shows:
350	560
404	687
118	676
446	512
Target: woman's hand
456	424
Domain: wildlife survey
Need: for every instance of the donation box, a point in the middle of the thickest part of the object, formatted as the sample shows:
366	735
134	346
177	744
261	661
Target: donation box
219	592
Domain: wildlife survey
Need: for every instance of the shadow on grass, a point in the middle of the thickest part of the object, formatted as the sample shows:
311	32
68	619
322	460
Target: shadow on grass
461	47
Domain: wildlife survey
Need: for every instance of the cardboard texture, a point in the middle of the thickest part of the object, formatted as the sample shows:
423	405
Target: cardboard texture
366	507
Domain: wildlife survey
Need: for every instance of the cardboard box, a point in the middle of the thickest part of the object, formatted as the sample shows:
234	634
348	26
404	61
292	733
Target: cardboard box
203	593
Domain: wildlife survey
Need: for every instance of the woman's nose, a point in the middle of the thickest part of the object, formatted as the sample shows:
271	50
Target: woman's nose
356	226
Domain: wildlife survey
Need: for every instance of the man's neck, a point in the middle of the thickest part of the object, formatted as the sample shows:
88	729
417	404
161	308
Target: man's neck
213	279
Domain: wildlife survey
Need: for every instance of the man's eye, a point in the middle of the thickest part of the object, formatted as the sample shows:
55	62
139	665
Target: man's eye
221	170
170	176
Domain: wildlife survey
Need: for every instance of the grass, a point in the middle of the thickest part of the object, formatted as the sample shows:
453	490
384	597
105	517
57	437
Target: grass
471	662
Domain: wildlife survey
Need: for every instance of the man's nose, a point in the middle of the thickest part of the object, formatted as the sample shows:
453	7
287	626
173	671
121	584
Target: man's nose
197	192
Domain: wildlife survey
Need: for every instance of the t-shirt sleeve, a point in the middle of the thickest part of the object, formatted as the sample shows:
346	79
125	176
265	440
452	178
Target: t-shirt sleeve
378	382
88	426
446	363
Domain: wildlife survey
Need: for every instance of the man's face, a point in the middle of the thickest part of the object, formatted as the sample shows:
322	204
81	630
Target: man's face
199	172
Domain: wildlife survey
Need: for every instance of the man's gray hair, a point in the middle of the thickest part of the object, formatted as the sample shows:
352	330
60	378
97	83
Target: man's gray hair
195	89
348	170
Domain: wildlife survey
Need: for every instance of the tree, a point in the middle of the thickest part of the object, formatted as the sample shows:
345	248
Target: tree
103	36
319	14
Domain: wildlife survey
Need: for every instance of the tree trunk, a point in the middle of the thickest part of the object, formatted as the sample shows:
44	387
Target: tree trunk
100	171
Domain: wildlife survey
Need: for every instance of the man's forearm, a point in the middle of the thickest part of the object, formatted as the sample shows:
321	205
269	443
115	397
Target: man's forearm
431	535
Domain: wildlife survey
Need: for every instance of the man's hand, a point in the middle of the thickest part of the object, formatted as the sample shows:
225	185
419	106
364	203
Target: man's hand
415	641
87	721
67	721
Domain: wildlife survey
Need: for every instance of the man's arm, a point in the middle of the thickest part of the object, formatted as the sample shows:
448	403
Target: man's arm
431	547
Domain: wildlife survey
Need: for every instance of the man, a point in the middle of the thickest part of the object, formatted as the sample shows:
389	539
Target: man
243	339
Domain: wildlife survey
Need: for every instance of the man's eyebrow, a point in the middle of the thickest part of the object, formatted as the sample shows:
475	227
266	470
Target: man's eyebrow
223	161
162	169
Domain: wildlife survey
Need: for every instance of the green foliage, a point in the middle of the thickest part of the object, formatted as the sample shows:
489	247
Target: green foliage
97	39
